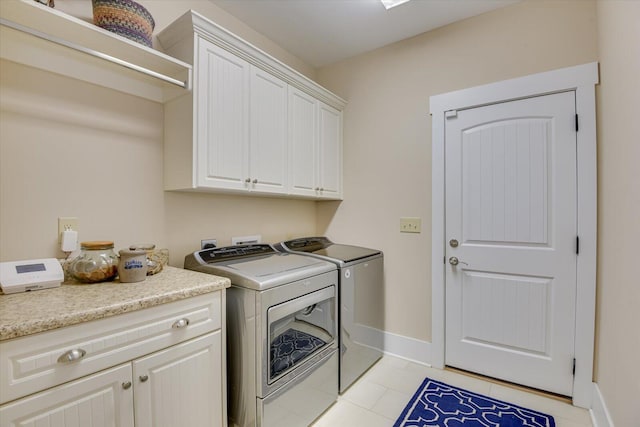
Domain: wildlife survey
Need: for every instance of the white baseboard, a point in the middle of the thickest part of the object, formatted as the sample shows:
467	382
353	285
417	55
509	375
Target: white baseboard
395	345
599	413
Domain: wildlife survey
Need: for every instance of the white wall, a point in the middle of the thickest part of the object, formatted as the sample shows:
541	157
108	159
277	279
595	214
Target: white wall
73	149
618	325
387	134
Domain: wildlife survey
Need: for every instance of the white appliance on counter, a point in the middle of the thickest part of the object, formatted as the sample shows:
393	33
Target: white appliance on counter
30	275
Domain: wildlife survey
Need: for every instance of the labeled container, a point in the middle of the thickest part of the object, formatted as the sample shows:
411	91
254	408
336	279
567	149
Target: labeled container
97	262
132	266
155	259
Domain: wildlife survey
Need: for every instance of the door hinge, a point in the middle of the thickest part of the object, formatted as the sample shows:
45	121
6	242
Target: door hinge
577	123
451	114
577	245
574	367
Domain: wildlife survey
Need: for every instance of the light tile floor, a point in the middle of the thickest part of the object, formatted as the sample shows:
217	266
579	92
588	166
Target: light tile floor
380	395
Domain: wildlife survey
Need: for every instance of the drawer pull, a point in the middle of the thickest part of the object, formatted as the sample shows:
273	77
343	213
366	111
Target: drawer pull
181	323
72	355
144	378
126	385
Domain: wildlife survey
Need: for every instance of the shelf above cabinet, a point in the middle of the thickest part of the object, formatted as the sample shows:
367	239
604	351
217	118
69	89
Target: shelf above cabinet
38	36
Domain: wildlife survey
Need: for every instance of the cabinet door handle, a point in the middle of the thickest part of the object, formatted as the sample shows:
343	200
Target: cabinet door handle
126	385
72	355
180	323
143	378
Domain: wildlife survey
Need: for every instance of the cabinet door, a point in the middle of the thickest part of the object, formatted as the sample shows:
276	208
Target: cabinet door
99	400
330	152
303	137
268	139
182	385
221	102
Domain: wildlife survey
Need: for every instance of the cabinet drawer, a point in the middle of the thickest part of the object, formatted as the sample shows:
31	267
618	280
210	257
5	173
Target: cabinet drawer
32	363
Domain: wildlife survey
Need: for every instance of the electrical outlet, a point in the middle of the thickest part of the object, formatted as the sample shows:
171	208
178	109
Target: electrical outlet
208	243
245	240
410	225
66	223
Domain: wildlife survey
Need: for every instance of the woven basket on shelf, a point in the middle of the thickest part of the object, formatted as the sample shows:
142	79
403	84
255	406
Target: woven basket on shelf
124	17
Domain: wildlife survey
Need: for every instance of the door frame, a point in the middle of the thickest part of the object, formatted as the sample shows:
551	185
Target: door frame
581	79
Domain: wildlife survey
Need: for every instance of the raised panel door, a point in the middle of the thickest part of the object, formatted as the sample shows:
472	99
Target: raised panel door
329	152
303	156
182	385
221	100
104	399
268	137
511	208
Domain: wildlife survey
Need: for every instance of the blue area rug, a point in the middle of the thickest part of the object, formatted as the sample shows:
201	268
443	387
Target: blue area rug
437	404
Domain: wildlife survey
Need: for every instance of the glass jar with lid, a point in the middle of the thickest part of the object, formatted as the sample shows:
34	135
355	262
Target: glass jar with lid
97	262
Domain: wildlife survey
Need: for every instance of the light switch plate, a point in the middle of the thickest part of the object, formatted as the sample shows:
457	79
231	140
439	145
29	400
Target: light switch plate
410	225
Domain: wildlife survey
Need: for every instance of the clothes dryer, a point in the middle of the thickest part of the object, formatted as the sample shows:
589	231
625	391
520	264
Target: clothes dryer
360	300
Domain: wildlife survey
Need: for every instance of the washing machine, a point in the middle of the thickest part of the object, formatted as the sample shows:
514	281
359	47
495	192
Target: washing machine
360	301
282	333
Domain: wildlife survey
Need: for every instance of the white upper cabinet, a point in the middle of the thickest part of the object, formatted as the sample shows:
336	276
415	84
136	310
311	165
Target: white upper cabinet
329	152
251	124
221	106
268	136
303	140
315	154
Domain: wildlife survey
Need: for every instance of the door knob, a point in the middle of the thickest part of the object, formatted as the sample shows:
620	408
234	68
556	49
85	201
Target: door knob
455	261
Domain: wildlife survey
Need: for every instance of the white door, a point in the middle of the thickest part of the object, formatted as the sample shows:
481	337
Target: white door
221	93
268	141
103	399
330	152
303	122
182	385
511	207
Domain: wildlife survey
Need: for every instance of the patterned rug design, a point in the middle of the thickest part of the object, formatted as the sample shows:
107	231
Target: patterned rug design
290	347
437	404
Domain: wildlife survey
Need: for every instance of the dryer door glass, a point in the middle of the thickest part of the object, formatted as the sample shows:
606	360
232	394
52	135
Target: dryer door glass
299	328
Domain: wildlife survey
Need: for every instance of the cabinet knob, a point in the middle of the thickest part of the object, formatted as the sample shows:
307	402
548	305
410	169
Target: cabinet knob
72	355
126	385
321	189
248	180
317	188
143	378
255	181
180	323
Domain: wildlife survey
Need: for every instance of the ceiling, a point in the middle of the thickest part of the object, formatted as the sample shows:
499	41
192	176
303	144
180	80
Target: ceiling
322	32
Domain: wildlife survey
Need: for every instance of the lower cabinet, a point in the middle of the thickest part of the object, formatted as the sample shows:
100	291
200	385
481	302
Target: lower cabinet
142	369
180	386
96	400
